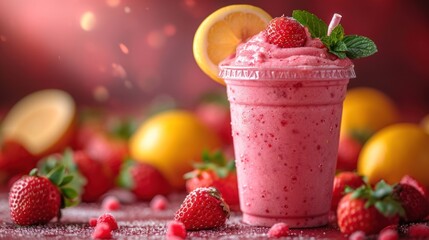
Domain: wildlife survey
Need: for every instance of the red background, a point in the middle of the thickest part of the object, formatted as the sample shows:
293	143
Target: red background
42	45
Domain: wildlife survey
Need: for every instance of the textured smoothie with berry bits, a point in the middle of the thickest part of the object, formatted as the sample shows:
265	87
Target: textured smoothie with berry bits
286	92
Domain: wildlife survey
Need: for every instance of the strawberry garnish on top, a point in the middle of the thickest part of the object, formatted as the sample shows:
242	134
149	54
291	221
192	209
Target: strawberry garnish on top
369	210
37	199
286	32
215	171
203	208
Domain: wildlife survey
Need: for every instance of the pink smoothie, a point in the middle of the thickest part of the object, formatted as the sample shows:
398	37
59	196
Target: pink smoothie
286	106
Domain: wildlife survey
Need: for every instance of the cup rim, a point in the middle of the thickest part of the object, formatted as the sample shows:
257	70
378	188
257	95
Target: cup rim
286	72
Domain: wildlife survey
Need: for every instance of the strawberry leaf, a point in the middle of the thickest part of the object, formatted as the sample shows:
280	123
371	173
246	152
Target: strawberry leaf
66	180
359	46
61	170
124	179
315	25
69	193
382	189
33	172
56	175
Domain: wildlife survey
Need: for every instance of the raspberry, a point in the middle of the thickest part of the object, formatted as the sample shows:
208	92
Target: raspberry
102	231
93	222
159	202
418	231
286	32
278	230
176	229
110	203
358	235
108	219
388	234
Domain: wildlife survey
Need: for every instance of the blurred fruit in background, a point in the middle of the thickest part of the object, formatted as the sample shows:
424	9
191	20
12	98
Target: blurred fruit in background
144	180
42	122
172	141
425	123
365	111
213	111
15	160
98	176
348	153
396	151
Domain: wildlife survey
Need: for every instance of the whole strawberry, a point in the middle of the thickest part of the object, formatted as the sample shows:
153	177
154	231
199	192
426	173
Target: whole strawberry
144	180
38	199
341	181
91	176
215	171
409	180
203	208
97	177
368	210
414	203
286	32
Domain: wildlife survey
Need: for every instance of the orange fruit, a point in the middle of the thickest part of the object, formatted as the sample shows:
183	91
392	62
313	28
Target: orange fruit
395	151
172	141
42	121
219	34
366	110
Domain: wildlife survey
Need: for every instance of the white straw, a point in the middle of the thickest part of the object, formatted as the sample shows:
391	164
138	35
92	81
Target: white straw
334	22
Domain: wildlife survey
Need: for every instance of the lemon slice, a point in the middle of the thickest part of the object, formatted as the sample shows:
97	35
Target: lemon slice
41	121
219	34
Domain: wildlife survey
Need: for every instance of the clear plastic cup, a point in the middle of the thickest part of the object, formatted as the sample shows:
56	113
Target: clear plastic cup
285	126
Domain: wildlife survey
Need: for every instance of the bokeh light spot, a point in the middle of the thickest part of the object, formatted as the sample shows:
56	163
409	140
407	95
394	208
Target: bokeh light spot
3	38
124	48
113	3
87	21
170	30
128	84
127	9
155	39
190	3
118	71
100	94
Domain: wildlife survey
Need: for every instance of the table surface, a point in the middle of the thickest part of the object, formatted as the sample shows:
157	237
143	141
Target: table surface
138	221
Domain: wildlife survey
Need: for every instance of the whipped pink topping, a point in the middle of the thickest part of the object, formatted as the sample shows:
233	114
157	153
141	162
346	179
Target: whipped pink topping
257	52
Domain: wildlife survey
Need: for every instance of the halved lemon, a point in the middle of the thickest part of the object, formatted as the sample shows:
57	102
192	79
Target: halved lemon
220	33
41	121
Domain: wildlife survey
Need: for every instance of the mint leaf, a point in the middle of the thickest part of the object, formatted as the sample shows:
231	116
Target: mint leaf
315	25
339	44
337	33
359	46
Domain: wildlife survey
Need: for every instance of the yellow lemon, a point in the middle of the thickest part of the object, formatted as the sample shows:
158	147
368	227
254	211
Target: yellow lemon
172	141
220	33
366	110
395	151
